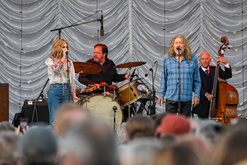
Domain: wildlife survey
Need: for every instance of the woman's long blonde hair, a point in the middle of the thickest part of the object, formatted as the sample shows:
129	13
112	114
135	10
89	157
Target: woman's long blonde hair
187	51
57	48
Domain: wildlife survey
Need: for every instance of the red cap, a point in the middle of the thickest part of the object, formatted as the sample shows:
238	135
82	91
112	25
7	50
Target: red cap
173	124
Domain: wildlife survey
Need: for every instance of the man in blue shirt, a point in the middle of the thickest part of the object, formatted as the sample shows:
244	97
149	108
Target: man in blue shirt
180	52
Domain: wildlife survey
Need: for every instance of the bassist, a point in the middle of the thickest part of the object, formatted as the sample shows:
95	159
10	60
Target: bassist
207	73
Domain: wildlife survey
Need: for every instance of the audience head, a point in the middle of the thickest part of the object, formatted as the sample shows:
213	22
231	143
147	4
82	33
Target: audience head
139	126
67	114
177	154
157	119
173	124
121	133
209	130
6	126
9	142
140	151
38	146
231	147
202	147
89	142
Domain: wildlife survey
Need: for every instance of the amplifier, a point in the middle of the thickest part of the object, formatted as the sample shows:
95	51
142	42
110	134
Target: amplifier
35	111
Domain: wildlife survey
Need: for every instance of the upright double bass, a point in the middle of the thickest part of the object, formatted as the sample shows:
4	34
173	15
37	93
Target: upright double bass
223	106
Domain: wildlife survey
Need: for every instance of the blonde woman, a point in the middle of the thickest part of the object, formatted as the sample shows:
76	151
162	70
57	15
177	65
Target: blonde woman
59	91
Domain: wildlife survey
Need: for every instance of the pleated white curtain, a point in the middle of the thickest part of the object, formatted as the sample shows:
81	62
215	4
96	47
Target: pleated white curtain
135	30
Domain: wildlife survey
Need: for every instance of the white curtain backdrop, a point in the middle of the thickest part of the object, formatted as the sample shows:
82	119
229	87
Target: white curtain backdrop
135	30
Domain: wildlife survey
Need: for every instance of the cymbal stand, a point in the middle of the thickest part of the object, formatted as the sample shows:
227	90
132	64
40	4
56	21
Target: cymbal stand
129	96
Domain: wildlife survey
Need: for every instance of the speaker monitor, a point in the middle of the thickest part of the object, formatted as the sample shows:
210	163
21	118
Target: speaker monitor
35	111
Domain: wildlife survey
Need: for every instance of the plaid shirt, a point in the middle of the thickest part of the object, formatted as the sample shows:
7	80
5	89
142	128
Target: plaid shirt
190	79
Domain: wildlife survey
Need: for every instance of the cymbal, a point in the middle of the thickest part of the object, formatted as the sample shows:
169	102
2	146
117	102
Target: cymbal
129	64
86	68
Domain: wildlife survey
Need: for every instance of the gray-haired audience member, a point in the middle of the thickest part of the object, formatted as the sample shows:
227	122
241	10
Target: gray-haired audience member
88	143
209	130
38	146
6	126
140	151
9	153
121	133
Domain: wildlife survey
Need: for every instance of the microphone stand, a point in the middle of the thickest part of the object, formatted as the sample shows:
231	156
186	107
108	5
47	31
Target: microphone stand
179	83
68	75
59	29
41	95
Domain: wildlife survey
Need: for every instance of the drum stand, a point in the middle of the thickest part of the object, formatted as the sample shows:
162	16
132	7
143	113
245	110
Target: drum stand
114	94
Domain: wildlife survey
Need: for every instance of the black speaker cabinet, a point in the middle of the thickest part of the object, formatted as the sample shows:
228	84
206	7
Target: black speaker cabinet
16	119
35	111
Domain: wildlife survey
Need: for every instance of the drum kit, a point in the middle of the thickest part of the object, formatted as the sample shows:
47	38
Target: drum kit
109	104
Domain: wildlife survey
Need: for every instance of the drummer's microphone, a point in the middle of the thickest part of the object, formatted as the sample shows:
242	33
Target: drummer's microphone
132	75
150	68
102	25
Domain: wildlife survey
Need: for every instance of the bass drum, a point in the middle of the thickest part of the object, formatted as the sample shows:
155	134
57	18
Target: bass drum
103	108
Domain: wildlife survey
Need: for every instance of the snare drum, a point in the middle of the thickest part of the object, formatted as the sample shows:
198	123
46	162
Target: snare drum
103	108
123	93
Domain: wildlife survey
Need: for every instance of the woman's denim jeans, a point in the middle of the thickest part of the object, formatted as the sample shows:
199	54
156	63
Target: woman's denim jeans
58	93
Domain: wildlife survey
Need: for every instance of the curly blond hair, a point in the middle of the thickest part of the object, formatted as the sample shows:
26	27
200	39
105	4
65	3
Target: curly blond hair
57	48
187	51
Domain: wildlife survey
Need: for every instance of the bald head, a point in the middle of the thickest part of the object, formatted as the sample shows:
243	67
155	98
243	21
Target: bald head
205	59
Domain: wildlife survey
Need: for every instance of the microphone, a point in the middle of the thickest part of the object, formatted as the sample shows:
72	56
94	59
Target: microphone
102	25
132	75
114	108
178	49
67	55
151	69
